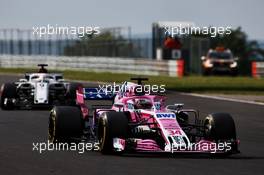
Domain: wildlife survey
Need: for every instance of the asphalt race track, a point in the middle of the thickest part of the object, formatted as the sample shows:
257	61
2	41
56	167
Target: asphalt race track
19	129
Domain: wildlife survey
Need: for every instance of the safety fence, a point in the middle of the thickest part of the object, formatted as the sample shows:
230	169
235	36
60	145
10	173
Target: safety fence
174	68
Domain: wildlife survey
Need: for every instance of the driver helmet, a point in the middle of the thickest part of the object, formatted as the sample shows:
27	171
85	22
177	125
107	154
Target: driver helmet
143	104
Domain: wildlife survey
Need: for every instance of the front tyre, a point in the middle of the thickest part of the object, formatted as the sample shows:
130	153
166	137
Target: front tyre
221	127
111	125
65	124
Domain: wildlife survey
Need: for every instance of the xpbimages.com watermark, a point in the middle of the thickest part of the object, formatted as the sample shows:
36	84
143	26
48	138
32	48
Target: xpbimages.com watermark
81	31
146	89
42	147
194	30
205	147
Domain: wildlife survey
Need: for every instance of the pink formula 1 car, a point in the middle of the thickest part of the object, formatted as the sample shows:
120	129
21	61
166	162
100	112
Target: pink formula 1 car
140	122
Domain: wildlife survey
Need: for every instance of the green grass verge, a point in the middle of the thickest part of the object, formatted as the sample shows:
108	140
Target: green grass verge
213	84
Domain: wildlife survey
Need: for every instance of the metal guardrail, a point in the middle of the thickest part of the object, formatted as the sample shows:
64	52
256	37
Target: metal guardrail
174	68
257	69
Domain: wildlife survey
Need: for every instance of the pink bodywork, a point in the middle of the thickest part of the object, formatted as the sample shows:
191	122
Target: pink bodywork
169	124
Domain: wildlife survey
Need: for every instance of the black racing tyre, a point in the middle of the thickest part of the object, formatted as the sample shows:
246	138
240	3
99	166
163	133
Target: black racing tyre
206	72
71	92
65	124
111	124
234	72
220	126
8	90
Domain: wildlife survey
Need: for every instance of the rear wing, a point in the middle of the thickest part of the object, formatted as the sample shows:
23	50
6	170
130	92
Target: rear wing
97	94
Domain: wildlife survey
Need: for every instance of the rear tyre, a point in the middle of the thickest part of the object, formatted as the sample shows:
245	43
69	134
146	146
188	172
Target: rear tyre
65	124
8	92
111	125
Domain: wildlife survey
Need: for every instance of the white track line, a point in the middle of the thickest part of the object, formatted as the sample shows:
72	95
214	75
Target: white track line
223	98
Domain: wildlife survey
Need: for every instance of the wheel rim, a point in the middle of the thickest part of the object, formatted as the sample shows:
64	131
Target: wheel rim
207	128
52	127
102	133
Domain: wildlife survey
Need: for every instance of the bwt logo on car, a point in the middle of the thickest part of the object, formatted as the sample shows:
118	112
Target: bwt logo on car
166	115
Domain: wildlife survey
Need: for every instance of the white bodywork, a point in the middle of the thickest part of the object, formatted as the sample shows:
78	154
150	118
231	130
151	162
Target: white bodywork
41	94
41	83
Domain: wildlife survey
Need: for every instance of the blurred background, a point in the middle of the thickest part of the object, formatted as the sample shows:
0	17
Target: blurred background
133	30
